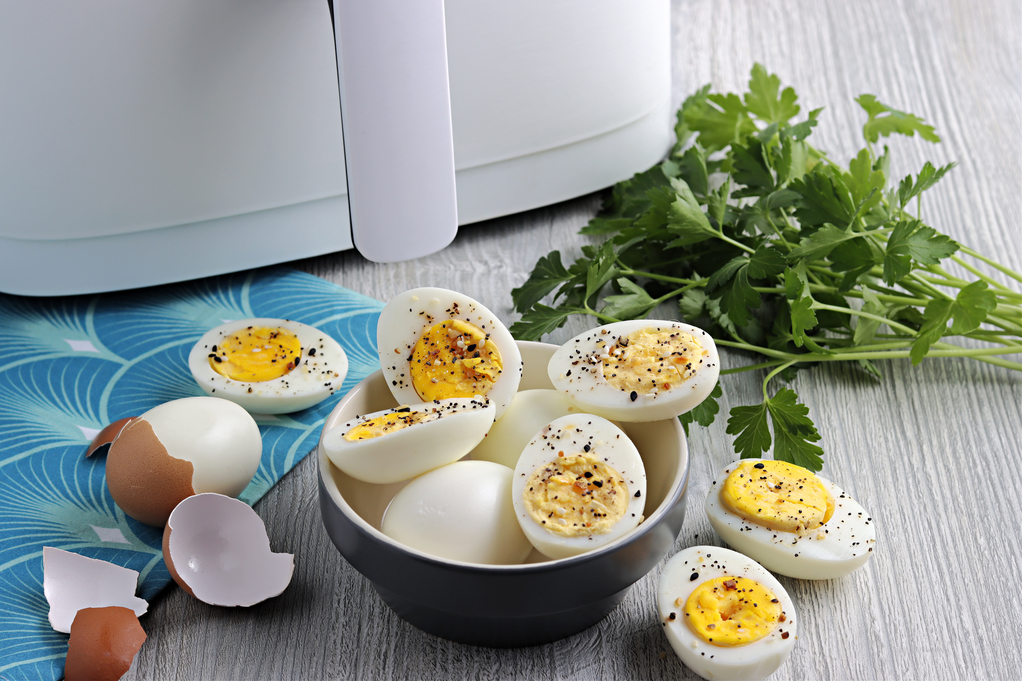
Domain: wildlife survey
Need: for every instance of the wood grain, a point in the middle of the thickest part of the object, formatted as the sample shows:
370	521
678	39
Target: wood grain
930	451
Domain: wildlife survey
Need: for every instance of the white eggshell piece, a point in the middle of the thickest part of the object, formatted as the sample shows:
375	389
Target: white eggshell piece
461	512
319	373
219	548
218	437
688	569
72	582
530	412
408	315
577	370
402	454
575	434
843	544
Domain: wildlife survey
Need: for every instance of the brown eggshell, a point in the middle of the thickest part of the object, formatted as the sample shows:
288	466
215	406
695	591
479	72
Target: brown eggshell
168	560
107	435
144	480
103	643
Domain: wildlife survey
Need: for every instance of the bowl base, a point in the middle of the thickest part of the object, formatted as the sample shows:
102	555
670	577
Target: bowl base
501	631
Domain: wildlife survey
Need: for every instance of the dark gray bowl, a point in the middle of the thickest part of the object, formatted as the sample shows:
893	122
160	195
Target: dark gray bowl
505	605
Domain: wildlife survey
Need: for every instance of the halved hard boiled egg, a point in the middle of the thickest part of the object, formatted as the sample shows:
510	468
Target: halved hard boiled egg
725	615
461	512
268	366
639	370
789	519
436	344
401	443
579	484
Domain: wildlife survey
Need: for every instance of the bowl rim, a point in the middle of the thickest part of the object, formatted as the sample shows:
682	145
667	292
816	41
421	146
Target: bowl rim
674	493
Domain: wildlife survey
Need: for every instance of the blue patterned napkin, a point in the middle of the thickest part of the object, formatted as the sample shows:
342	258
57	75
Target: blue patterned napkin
70	366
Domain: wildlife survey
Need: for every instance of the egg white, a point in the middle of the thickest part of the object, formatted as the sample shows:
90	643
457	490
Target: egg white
608	444
843	544
408	315
415	449
319	374
576	370
461	511
688	569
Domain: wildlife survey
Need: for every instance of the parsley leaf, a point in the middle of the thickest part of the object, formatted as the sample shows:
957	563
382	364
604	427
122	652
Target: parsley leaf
883	120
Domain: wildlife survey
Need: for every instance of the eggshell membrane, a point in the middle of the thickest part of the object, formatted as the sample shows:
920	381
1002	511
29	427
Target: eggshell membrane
100	443
103	643
611	446
530	412
180	448
409	314
316	377
72	581
460	512
756	660
414	450
216	549
586	387
845	545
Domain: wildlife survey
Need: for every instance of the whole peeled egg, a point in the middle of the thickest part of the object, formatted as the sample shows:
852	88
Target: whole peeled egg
180	448
436	344
268	366
724	614
638	370
461	511
789	519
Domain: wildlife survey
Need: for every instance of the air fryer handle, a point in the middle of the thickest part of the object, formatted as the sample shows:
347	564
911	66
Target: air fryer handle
396	117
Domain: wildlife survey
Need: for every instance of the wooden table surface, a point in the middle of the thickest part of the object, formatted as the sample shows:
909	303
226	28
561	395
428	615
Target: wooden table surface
931	451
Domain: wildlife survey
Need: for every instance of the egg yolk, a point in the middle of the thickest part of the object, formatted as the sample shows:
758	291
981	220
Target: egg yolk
256	354
650	360
454	359
576	495
388	423
732	611
778	495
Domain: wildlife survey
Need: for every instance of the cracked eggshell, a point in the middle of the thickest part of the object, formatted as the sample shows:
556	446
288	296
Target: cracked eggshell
72	582
180	448
101	443
216	549
103	643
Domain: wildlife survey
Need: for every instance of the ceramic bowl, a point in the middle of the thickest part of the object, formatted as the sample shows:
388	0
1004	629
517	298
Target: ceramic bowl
505	605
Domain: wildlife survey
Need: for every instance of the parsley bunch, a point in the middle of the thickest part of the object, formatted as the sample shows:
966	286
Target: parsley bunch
778	250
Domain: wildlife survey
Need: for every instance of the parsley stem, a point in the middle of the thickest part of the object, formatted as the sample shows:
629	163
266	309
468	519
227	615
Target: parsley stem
990	280
859	313
996	265
772	374
751	367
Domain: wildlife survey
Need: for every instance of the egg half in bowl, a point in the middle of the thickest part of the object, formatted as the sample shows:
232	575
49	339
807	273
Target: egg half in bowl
502	605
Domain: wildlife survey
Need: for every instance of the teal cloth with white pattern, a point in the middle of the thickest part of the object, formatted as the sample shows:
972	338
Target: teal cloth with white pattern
70	366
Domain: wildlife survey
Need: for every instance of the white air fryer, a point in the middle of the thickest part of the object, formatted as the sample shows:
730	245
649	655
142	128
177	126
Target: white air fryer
149	142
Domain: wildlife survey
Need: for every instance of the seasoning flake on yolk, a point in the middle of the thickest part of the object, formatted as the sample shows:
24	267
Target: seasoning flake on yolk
255	354
388	423
576	495
777	495
732	611
650	360
454	358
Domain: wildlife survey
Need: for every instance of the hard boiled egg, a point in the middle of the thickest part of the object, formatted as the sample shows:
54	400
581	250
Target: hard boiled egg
530	412
725	616
398	444
436	344
638	370
268	366
461	512
790	520
579	485
180	448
